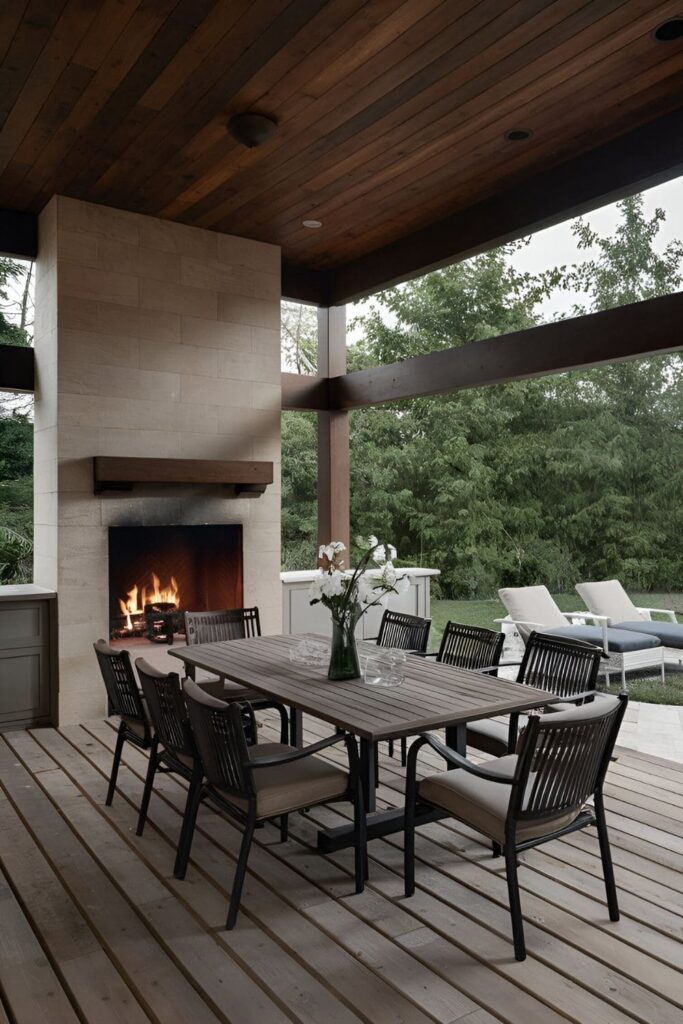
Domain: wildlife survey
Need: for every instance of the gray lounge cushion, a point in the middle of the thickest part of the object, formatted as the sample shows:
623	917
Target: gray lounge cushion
620	640
669	633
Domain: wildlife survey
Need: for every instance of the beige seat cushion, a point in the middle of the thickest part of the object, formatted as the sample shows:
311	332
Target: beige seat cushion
483	804
491	736
224	689
135	726
289	787
532	605
608	597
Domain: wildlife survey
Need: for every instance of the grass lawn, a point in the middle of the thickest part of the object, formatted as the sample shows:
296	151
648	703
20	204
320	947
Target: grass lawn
484	613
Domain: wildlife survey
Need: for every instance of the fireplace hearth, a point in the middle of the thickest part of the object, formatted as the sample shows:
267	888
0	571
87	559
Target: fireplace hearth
156	573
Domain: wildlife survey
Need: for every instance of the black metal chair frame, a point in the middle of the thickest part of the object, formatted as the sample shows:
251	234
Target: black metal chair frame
406	633
566	668
172	738
472	647
124	699
225	759
576	779
233	624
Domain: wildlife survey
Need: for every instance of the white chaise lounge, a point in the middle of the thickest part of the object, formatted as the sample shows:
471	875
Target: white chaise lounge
625	650
609	599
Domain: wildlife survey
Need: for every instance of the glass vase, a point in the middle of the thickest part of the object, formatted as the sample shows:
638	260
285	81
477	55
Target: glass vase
344	654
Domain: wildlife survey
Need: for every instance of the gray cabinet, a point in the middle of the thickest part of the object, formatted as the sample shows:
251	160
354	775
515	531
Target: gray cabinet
27	691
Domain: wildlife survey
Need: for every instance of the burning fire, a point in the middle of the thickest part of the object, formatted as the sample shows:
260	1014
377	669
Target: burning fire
156	594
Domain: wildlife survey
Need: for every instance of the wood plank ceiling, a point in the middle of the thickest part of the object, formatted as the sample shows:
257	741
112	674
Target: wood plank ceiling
391	114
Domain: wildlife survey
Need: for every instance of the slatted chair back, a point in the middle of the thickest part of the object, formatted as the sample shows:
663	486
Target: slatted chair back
564	757
562	666
167	710
406	632
231	624
472	647
218	731
120	682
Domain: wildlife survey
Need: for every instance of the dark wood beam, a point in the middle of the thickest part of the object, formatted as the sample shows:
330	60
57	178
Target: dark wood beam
303	393
333	435
301	284
645	157
18	234
641	329
17	368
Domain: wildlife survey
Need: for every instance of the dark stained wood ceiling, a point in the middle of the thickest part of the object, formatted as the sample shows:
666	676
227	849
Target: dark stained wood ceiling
391	114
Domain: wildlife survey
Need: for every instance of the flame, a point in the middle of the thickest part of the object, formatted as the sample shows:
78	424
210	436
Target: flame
137	598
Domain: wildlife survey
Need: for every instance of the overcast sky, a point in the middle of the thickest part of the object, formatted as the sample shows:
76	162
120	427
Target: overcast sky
555	246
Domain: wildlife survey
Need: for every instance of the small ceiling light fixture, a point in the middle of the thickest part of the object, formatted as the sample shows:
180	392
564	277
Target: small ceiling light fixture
669	31
518	134
252	129
312	224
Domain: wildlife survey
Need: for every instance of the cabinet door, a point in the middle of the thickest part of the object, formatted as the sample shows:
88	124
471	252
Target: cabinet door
24	663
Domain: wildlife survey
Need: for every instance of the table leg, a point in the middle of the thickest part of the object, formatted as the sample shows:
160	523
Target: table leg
368	774
456	739
296	728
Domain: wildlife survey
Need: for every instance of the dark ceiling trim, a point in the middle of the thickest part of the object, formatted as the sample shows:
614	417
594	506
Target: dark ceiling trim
18	234
303	393
17	372
628	332
299	284
645	157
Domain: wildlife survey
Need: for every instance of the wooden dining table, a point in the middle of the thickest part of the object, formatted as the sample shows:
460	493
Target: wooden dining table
432	696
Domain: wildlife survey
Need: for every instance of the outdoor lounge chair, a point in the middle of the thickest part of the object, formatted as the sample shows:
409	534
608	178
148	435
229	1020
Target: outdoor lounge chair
269	780
523	800
533	608
609	599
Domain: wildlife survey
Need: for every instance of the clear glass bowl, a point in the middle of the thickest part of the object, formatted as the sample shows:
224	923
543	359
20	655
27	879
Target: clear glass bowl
386	667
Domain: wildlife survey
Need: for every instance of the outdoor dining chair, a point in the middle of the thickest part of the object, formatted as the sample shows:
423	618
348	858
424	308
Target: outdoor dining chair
231	624
125	700
522	800
172	748
266	781
405	633
473	647
566	668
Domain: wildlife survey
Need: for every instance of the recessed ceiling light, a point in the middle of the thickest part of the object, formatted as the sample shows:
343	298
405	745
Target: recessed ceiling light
251	129
313	224
669	31
518	134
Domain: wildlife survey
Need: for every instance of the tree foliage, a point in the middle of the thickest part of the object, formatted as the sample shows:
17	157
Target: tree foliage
16	431
543	481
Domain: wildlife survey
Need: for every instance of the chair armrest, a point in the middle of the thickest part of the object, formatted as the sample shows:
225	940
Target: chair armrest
502	664
584	695
520	622
424	654
295	755
661	611
453	757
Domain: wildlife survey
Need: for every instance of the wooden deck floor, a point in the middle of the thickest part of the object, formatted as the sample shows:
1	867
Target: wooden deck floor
94	928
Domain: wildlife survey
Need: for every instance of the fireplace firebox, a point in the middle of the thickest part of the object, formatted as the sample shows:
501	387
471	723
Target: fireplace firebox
156	573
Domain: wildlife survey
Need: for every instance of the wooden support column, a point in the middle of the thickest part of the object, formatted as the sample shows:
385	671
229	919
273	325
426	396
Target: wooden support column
333	434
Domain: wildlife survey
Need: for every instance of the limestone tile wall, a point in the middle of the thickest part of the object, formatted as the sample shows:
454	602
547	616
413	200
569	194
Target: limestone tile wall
152	339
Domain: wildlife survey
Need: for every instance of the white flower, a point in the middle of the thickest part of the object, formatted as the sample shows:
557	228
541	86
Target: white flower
388	577
372	541
365	591
337	546
333	584
316	588
403	584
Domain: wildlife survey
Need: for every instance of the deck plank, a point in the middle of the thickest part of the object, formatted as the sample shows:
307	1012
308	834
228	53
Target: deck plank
306	947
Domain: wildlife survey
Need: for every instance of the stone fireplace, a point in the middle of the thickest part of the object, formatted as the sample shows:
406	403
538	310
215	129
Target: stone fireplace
154	340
